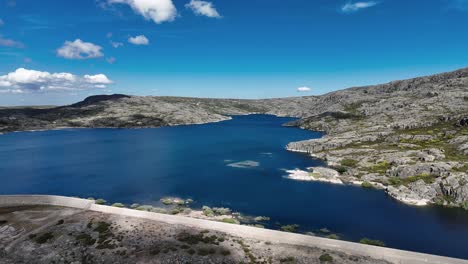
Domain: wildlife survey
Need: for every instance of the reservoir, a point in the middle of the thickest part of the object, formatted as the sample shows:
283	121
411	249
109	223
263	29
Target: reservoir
238	164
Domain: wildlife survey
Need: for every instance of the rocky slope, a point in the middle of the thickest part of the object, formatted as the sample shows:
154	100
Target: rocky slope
408	137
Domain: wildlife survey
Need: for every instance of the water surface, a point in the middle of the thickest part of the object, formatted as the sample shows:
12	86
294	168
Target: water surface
237	164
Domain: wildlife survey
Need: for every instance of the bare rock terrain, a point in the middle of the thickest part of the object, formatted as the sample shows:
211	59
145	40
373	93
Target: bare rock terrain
46	234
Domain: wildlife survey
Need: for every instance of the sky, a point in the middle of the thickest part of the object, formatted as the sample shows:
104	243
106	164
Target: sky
55	52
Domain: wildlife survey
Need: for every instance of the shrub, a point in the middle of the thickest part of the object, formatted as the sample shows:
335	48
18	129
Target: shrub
333	236
395	181
101	201
207	211
324	230
44	237
367	184
222	211
326	258
134	206
290	228
120	205
465	205
167	201
287	260
261	218
372	242
341	170
349	163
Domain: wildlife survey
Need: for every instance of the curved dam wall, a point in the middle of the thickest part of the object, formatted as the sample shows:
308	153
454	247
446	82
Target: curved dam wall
389	254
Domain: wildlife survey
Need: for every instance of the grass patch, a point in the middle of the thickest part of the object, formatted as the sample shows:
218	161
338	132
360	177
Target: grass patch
349	163
119	205
367	185
427	178
372	242
229	221
198	238
380	167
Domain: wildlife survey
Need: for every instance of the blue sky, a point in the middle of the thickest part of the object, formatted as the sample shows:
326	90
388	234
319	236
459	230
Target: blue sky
221	48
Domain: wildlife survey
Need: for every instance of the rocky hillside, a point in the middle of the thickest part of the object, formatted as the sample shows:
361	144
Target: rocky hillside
408	137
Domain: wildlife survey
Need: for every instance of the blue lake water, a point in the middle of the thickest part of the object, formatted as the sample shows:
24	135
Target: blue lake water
202	162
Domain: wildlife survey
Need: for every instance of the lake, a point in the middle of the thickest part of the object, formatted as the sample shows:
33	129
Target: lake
238	164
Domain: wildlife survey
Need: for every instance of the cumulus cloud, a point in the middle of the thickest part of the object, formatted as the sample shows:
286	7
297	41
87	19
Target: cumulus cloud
158	11
304	89
353	7
203	8
5	42
24	81
79	49
139	40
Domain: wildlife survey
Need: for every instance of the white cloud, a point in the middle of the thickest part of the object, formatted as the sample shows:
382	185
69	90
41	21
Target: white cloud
97	79
139	40
203	8
79	49
4	42
116	44
304	89
353	7
157	10
24	80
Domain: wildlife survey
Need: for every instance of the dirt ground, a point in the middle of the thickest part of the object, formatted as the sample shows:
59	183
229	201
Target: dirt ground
46	234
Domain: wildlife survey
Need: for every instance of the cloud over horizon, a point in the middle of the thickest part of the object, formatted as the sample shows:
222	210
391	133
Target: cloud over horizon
23	81
79	49
158	11
353	7
203	8
138	40
304	89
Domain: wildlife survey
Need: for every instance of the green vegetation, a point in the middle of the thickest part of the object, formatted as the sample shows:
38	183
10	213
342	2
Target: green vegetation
44	237
229	221
380	167
341	169
324	230
288	260
372	242
290	228
208	211
101	201
367	184
222	211
465	205
225	252
326	258
167	201
86	239
206	251
198	238
261	219
120	205
427	178
333	236
349	163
